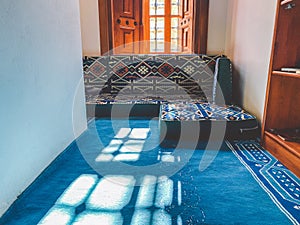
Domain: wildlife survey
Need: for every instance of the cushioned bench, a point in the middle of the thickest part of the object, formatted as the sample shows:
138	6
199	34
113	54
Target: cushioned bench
145	80
166	86
160	76
235	122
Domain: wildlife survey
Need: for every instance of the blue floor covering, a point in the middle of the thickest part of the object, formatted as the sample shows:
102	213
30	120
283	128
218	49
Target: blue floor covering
115	173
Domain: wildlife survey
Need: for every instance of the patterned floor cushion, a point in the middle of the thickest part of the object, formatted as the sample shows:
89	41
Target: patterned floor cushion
236	123
202	111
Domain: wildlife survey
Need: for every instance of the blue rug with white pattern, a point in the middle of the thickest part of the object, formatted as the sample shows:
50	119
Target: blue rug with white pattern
282	186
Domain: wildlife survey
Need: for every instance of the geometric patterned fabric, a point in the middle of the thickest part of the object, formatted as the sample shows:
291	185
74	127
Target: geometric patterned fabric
154	76
202	111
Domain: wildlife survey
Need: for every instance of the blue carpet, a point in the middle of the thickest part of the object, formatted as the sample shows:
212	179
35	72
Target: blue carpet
282	186
115	173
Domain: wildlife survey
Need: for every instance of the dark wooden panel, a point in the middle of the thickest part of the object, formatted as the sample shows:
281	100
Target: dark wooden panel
126	26
127	8
186	8
186	40
187	26
128	39
287	35
104	8
201	26
283	104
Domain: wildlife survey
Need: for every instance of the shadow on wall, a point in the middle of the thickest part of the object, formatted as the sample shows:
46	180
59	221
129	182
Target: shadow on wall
237	82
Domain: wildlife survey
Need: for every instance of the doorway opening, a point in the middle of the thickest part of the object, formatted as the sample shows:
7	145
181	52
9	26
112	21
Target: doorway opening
153	26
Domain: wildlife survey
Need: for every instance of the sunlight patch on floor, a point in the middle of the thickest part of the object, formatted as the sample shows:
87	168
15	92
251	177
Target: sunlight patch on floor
123	133
168	157
126	146
132	146
164	193
99	218
127	157
58	216
161	217
141	216
139	133
78	191
146	193
113	146
111	193
90	200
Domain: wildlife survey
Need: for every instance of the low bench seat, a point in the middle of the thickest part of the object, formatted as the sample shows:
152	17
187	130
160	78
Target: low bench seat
203	111
132	105
236	122
175	88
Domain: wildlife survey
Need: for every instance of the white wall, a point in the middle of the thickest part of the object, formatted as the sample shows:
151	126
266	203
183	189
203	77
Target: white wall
89	17
217	25
249	35
40	69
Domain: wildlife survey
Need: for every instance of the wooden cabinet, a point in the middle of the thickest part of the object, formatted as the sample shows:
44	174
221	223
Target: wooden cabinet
282	109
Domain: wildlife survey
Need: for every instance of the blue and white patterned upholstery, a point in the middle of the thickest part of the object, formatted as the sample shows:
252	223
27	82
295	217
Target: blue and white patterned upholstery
202	111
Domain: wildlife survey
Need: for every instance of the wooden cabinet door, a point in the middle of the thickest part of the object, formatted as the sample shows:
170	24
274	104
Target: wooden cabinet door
186	25
126	26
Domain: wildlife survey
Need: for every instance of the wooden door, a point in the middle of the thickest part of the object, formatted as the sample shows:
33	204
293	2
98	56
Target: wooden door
186	25
126	21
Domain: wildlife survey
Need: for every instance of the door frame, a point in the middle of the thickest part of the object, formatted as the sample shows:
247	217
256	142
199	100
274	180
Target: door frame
105	26
201	11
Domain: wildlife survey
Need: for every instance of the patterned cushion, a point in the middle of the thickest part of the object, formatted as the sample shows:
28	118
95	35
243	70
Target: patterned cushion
151	75
202	111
